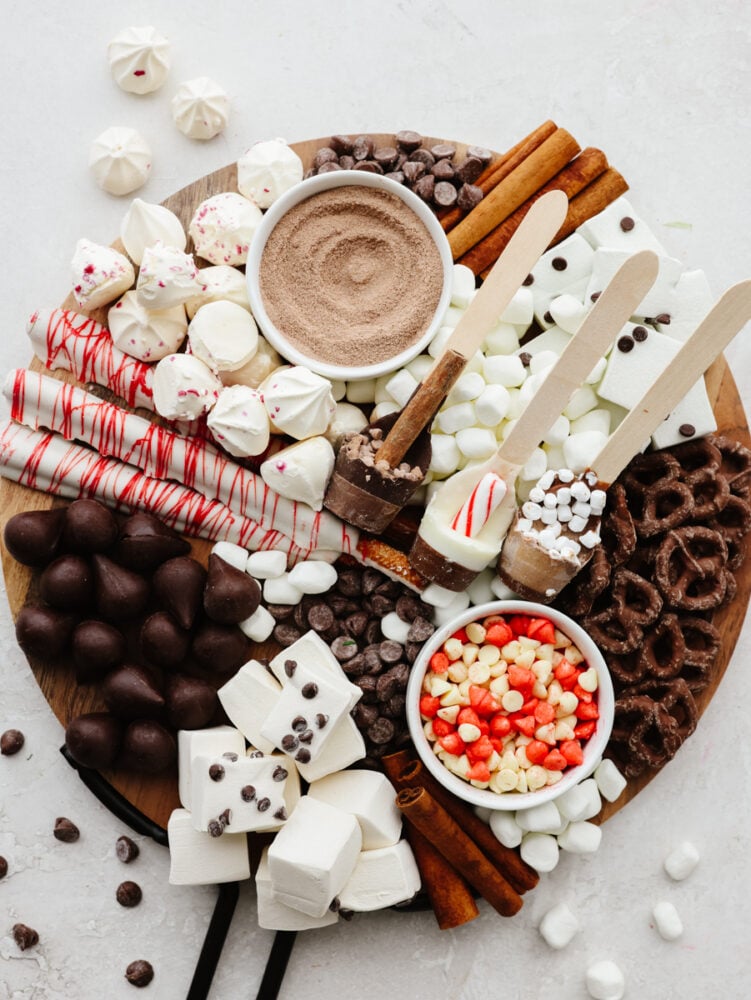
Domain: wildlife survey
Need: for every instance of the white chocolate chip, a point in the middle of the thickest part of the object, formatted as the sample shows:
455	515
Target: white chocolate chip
468	732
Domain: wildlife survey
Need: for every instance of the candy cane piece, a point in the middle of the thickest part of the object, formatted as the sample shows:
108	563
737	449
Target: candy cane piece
479	505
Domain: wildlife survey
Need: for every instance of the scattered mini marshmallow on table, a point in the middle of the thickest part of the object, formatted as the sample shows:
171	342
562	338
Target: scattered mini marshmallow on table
558	926
200	108
667	921
681	861
120	160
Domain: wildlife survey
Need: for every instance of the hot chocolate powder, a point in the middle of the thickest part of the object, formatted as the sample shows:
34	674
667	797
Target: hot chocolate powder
351	276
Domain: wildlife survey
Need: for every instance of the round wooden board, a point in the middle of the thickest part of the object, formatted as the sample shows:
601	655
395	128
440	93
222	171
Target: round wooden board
156	796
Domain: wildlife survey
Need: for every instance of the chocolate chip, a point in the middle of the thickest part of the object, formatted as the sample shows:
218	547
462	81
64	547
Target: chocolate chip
263	804
216	772
24	936
480	153
412	650
371	579
344	648
407	608
372	659
413	171
372	632
11	742
321	720
529	280
279	773
230	755
469	170
525	357
381	605
408	140
289	742
341	144
255	754
247	793
369	166
625	344
594	296
365	715
346	914
226	817
640	334
334	905
306	736
395	175
687	430
3	867
303	755
547	316
355	624
627	223
386	686
425	187
65	830
299	723
324	155
139	973
285	634
444	170
328	168
663	318
309	690
320	617
469	197
290	666
362	147
215	828
394	707
443	150
280	612
346	162
381	731
128	894
385	156
281	813
391	651
420	630
126	850
444	194
559	263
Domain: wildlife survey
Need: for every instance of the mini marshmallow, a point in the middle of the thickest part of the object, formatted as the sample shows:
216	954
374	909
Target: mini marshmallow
593	420
541	361
504	369
597	372
370	797
453	316
235	555
520	309
401	386
610	782
273	915
438	342
462	286
580	838
197	858
456	418
393	627
502	339
681	861
192	742
583	400
362	391
531	384
692	417
540	850
313	856
568	312
479	590
536	465
689	304
345	746
313	576
438	596
669	925
445	455
476	442
259	626
606	262
266	564
580	802
605	981
420	366
558	926
278	590
248	791
492	405
384	409
248	697
539	819
500	590
630	373
505	828
468	386
620	228
558	433
581	450
382	877
445	614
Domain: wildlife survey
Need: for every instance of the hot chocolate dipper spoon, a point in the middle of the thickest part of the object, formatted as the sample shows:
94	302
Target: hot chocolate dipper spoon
370	485
538	566
463	526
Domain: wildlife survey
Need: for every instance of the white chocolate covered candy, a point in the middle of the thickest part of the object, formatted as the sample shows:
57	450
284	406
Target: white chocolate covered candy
139	59
200	108
301	471
299	402
223	226
120	160
223	335
146	334
167	277
238	421
197	858
144	225
99	274
184	387
267	170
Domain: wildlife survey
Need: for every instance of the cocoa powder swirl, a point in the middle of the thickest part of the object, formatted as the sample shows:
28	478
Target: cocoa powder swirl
351	276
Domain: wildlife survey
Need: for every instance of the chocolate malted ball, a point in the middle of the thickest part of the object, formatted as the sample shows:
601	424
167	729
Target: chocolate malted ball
97	648
65	830
33	536
11	742
89	527
139	973
221	649
178	585
43	632
93	739
230	595
131	692
191	702
163	642
146	542
67	584
147	747
120	592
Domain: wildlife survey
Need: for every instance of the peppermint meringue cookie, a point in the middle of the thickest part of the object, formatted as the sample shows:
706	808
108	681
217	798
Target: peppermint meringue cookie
200	108
100	274
267	170
146	334
168	277
139	59
298	402
223	335
301	471
145	224
120	160
221	283
239	422
223	227
184	388
263	363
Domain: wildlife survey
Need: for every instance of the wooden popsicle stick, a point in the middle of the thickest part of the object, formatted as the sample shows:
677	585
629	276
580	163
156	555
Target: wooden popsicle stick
524	249
723	322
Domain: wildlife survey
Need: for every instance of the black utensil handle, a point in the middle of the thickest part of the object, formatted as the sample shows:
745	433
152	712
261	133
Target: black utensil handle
276	965
213	943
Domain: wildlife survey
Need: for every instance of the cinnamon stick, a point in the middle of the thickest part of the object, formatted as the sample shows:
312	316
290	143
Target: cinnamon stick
432	820
507	861
529	176
574	177
495	172
593	199
448	892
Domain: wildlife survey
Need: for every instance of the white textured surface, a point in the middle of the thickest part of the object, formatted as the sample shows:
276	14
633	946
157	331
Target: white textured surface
665	94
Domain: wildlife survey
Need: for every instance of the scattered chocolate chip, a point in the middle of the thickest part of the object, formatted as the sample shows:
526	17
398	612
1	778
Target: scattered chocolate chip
365	715
346	162
93	739
309	690
341	144
640	334
279	773
385	156
139	973
178	586
215	828
354	625
128	894
391	651
216	772
306	736
33	536
255	754
65	830
280	612
627	223
369	166
368	687
127	850
299	723
11	742
89	527
594	296
469	170
425	187
226	817
334	905
559	263
289	742
24	936
3	867
625	344
687	430
444	170
321	720
362	147
324	155
263	804
281	813
303	755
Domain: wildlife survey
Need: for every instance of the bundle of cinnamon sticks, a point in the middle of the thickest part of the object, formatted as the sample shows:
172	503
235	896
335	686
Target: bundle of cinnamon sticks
455	851
548	159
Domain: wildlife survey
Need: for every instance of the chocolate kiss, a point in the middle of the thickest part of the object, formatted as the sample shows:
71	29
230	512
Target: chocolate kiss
131	693
32	537
94	739
162	640
221	649
120	593
43	632
147	747
97	649
67	584
191	703
145	542
178	586
89	527
230	595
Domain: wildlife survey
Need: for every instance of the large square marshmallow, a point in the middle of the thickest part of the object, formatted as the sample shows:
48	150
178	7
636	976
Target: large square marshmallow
344	746
192	742
618	227
632	371
657	301
247	791
197	858
274	915
383	877
692	417
370	797
304	717
690	302
292	790
312	654
248	698
313	855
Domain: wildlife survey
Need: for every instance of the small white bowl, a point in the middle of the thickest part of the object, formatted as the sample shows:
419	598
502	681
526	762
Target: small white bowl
593	748
302	191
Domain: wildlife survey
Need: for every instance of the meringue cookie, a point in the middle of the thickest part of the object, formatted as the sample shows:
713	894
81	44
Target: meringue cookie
267	170
139	59
221	283
146	334
298	402
223	227
168	277
239	421
100	274
301	471
145	224
200	108
184	387
120	160
223	335
263	363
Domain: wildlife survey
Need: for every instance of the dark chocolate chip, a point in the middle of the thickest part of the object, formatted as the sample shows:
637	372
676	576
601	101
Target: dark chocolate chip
394	707
215	828
321	720
371	579
33	536
365	715
594	296
413	171
280	612
381	605
407	608
529	280
309	690
255	754
248	793
687	430
640	334
420	630
93	739
65	830
344	648
299	723
128	894
425	187
306	736
303	755
444	194
127	850
355	624
67	584
285	634
443	150
290	666
480	153
334	905
547	316
89	527
346	914
3	867
11	742
281	813
320	617
325	155
362	147
139	973
396	175
381	731
385	156
525	357
263	804
24	936
226	817
279	773
444	170
349	583
289	742
469	170
625	344
627	223
408	140
559	263
386	686
663	318
412	650
216	772
341	144
367	685
469	197
369	166
346	162
391	651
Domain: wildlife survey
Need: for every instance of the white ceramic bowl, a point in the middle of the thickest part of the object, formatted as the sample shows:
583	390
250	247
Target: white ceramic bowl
593	748
303	190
